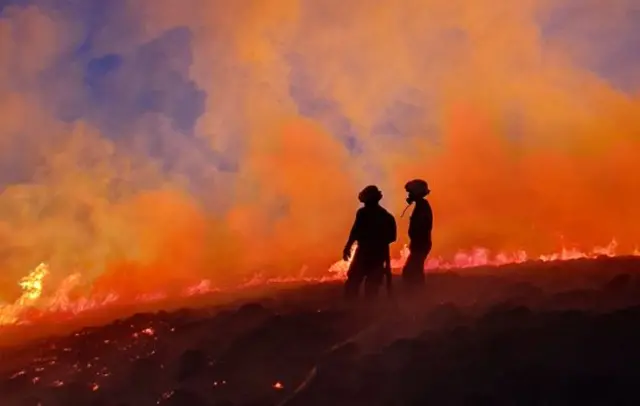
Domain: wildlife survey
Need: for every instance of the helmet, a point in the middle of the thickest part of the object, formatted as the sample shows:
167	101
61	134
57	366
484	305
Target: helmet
417	188
370	194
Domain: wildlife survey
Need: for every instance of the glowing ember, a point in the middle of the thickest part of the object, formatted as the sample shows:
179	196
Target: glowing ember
19	373
165	396
148	331
278	386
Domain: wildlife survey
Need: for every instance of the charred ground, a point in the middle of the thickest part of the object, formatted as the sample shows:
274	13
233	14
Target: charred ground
532	334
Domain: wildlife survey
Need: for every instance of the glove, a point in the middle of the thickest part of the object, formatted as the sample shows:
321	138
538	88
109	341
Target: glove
346	253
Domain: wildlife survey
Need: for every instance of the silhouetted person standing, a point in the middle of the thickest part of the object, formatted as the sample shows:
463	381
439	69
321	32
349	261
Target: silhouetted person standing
420	227
374	230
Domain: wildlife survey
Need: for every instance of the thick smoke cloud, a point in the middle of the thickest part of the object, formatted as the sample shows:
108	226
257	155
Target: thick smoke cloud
150	143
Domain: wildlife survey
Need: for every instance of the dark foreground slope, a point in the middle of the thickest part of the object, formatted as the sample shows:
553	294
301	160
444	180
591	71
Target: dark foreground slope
535	334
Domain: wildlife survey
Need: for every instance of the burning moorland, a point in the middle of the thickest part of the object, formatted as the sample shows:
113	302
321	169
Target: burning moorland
64	303
164	163
522	333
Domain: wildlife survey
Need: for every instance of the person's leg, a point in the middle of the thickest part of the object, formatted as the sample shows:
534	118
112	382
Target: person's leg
410	269
355	275
373	281
413	271
420	258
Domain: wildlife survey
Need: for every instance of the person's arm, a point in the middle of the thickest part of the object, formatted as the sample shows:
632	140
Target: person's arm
353	236
413	227
393	229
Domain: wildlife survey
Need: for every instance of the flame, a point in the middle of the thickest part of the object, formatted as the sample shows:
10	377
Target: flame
61	302
483	257
32	284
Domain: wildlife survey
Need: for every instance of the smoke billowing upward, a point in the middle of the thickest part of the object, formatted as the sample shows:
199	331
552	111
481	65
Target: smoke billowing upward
154	141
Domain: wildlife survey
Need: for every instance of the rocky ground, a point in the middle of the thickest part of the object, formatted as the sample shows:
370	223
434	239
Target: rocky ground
534	334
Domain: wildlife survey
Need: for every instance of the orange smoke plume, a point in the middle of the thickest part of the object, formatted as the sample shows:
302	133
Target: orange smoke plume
526	145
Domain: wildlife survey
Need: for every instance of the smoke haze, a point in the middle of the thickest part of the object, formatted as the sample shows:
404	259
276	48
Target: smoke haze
153	142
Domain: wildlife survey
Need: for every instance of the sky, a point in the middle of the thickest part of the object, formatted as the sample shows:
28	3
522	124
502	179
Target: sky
175	139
